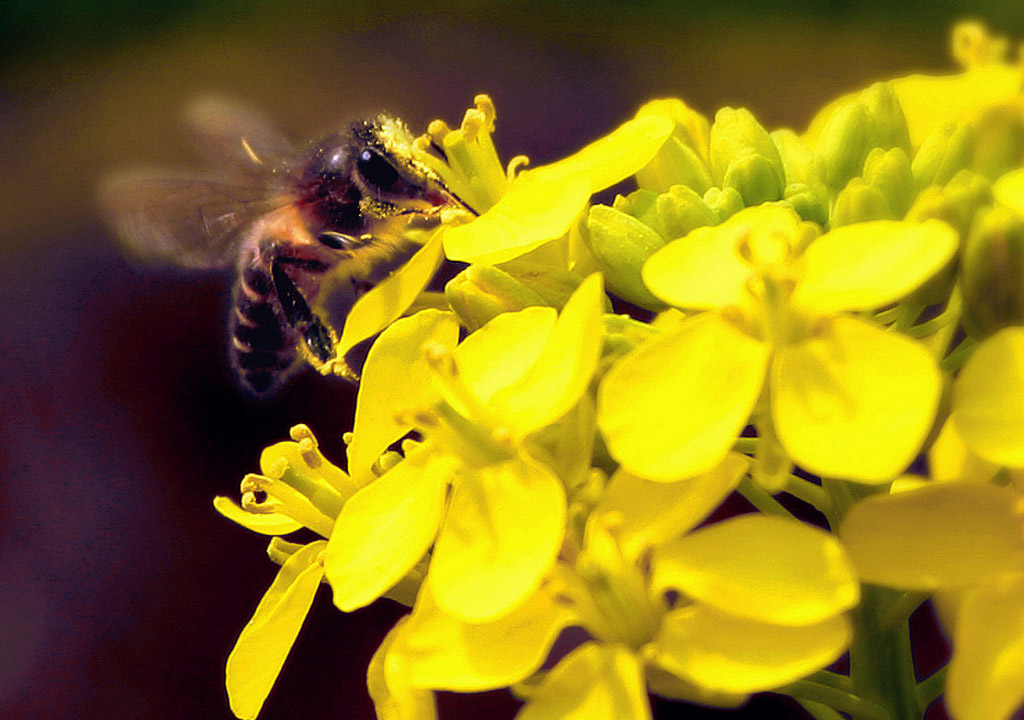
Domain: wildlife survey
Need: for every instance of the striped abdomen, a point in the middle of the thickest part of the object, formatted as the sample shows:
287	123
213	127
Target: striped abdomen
262	343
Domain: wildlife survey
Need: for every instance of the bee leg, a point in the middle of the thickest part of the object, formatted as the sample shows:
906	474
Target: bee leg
299	315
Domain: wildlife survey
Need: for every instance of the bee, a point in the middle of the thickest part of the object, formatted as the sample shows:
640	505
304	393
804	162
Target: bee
284	219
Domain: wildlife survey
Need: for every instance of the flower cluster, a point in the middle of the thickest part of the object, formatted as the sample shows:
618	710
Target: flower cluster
811	315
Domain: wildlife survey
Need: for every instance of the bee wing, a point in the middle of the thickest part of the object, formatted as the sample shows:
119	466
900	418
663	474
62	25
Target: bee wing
189	221
230	132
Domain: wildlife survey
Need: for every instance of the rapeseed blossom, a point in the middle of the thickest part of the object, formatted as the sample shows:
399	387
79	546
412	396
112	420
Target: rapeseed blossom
810	314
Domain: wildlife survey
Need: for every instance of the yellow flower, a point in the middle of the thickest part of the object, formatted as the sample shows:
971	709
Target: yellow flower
298	488
519	210
963	540
465	488
744	605
844	397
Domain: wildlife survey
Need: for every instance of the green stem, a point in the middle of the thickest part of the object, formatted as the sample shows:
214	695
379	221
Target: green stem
946	320
906	316
929	689
959	355
832	679
746	445
837	699
884	317
760	499
813	495
901	610
881	661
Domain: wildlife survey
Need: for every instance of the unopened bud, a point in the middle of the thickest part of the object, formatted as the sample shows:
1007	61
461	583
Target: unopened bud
947	150
993	272
888	171
860	202
481	292
735	135
554	286
622	244
725	202
754	179
807	203
681	210
843	145
797	158
691	127
889	124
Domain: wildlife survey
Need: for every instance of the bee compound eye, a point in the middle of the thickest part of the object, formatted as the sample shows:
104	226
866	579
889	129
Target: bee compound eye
376	170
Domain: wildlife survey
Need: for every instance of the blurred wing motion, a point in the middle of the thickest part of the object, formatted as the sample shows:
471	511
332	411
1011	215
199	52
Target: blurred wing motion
188	221
232	133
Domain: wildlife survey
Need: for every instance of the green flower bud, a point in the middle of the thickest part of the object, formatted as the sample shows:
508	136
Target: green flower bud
887	118
946	151
889	172
797	158
671	214
622	244
843	145
726	202
993	272
681	210
809	204
860	202
554	286
735	135
481	292
643	205
675	164
755	179
999	143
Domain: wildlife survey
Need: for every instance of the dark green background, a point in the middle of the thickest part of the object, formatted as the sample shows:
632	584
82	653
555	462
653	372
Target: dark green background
121	590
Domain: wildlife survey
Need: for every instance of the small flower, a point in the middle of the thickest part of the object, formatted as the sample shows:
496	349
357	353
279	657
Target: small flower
465	488
963	538
844	397
519	210
299	488
688	614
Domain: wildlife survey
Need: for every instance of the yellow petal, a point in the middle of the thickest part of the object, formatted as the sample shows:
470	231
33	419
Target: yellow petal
489	557
949	460
761	567
729	654
985	679
867	265
502	351
536	209
593	682
386	301
563	371
704	269
617	155
938	536
1009	190
268	637
385	528
396	379
436	650
988	399
648	513
264	524
672	407
393	696
855	401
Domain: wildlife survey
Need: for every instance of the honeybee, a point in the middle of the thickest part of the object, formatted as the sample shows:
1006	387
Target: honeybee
284	218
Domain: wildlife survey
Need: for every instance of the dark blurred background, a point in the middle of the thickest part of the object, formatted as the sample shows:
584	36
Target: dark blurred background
121	590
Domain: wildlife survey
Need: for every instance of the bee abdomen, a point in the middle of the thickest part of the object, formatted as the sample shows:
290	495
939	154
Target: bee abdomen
262	348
